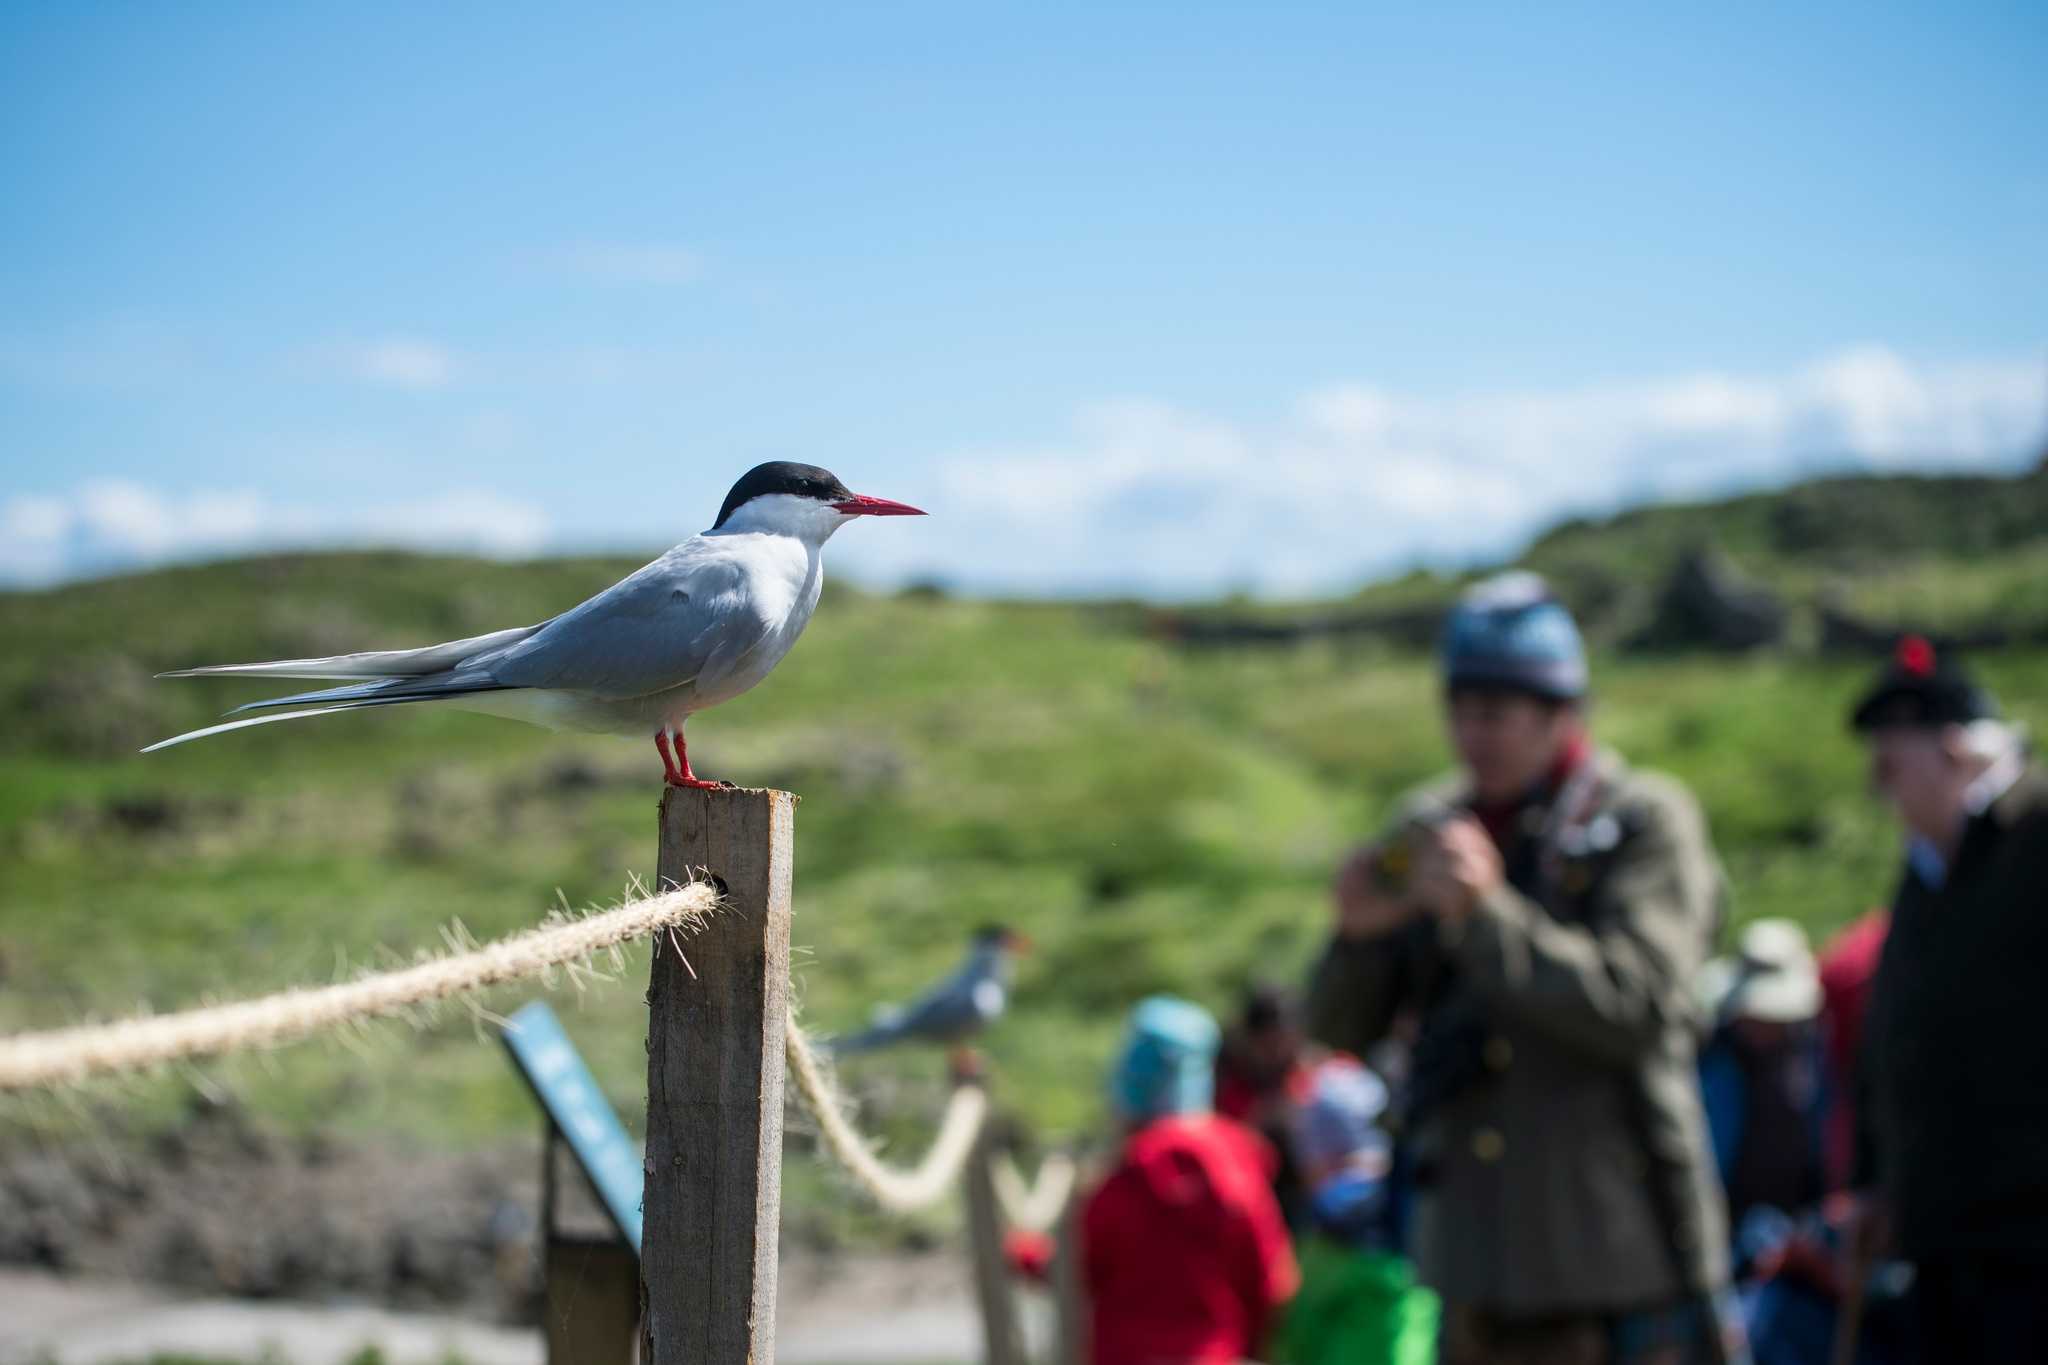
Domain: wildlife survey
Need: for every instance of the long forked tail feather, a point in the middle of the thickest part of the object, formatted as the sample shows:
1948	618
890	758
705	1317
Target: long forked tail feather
223	728
396	691
386	677
384	692
864	1041
379	663
885	1031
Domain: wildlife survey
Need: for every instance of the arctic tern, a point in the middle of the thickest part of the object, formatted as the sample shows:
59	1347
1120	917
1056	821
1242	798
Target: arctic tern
696	627
958	1007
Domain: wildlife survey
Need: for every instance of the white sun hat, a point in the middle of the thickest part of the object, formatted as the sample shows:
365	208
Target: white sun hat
1772	977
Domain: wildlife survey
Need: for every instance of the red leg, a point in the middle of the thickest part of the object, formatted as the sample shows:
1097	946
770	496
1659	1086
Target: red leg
686	778
668	760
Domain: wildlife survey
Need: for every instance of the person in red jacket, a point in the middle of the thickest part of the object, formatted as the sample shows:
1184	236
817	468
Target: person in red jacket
1184	1254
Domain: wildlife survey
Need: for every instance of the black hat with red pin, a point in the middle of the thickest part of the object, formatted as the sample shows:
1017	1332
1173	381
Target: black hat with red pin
1922	687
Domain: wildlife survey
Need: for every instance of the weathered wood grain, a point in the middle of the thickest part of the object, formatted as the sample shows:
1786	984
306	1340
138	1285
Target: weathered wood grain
716	1015
1002	1343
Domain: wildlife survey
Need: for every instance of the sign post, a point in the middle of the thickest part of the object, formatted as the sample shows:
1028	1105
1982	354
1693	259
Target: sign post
590	1285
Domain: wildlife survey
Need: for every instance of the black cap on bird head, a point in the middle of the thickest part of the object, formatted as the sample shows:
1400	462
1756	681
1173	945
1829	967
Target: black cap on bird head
806	481
1000	936
783	476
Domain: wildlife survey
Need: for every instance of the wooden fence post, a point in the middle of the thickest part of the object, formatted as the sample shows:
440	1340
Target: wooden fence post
1001	1342
1070	1290
717	1012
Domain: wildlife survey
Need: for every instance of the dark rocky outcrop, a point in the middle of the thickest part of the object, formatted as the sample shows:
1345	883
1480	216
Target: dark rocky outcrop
1707	603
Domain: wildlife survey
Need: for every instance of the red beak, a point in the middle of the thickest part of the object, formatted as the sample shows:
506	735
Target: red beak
861	505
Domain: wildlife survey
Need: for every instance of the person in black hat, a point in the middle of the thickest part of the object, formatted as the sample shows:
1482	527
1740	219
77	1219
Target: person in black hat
1955	1062
1933	731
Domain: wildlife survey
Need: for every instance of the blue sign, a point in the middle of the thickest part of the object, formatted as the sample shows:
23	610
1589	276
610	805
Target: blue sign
565	1086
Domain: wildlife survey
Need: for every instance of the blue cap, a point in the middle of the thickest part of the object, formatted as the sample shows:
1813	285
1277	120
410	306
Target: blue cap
1167	1064
1510	632
1344	1155
1339	1114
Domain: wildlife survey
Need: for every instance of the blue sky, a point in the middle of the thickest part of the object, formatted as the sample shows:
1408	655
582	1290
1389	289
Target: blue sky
1173	298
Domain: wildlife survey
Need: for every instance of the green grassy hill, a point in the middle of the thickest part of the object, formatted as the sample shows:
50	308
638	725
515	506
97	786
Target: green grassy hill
1960	553
1155	817
1964	556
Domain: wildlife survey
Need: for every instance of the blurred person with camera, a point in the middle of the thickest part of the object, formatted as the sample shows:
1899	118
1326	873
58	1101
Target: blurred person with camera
1955	1058
1545	910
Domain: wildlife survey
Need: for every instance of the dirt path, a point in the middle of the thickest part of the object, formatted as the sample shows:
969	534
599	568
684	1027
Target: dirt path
868	1311
68	1322
214	1237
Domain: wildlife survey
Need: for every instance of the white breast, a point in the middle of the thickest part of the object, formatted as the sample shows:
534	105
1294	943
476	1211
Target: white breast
784	579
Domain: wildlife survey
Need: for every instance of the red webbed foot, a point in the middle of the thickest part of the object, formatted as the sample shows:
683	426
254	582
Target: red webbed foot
676	772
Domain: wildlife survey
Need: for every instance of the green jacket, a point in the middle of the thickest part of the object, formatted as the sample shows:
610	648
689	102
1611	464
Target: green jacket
1954	1052
1571	1170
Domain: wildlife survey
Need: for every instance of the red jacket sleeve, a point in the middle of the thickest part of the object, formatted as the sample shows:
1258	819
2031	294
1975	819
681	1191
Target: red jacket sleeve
1268	1275
1100	1221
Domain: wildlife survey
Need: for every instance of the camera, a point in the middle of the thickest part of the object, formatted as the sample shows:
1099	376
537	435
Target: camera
1393	866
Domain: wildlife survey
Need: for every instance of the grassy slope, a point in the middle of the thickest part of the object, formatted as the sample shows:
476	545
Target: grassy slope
1956	553
1960	552
1155	819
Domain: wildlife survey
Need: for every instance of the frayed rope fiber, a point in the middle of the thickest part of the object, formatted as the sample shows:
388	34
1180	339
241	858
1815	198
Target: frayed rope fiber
894	1190
66	1056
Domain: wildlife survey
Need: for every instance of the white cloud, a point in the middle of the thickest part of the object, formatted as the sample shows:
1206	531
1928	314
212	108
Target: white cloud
467	519
33	519
1348	411
1141	495
1147	496
399	362
655	263
111	525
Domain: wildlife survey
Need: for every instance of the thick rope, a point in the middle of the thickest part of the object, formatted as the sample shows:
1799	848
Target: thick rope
1035	1207
74	1054
896	1191
68	1056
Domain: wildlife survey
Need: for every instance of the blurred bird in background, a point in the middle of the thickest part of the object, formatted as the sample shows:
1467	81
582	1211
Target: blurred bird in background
956	1009
696	627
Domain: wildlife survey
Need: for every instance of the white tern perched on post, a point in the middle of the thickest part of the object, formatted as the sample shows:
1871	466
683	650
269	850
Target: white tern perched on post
697	627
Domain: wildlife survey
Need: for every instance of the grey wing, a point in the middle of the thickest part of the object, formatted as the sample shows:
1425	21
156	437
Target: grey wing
660	627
